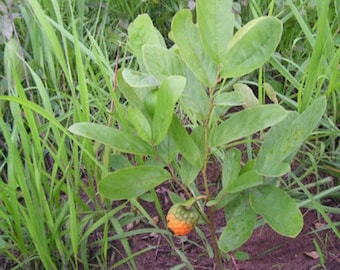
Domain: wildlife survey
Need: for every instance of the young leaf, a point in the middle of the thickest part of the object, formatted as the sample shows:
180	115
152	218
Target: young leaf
240	226
187	38
245	123
140	123
274	158
278	209
251	46
169	92
216	25
141	32
131	182
117	139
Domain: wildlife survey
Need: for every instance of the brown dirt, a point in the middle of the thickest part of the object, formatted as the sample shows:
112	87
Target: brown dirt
266	248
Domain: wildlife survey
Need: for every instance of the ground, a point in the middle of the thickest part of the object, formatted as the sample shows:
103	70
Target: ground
266	248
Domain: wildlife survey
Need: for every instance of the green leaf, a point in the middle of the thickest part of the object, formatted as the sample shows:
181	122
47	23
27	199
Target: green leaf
229	99
185	143
138	79
231	166
249	99
117	139
251	46
140	123
131	182
285	138
167	149
134	97
141	31
244	181
161	62
245	123
239	227
188	172
216	25
278	209
169	92
187	38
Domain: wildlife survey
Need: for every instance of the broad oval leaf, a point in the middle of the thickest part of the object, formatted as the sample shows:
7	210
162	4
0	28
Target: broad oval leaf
117	139
187	38
161	62
240	226
278	209
274	158
245	123
141	31
132	182
169	92
251	46
216	25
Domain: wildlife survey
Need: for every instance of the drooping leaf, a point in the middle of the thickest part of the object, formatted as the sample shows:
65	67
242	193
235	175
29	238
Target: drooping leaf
131	182
216	24
251	46
240	224
278	209
169	92
274	158
187	38
245	123
117	139
141	31
185	143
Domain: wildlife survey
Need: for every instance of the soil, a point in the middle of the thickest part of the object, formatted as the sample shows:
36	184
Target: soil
266	249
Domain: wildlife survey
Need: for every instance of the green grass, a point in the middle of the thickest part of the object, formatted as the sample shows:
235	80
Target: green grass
58	68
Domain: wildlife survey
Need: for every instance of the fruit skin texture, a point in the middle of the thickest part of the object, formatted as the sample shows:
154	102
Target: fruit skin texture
181	220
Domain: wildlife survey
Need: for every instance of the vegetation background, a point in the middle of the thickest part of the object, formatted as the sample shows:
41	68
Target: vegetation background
58	67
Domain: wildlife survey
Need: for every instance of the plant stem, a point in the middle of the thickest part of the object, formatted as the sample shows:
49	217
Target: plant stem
211	220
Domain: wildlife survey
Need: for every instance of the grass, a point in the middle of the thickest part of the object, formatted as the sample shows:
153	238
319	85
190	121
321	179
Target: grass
58	68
